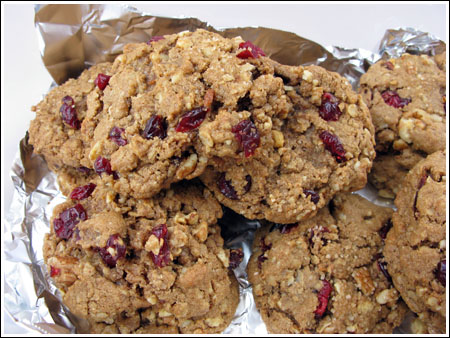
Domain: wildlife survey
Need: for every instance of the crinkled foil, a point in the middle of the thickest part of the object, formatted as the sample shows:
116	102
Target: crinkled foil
74	37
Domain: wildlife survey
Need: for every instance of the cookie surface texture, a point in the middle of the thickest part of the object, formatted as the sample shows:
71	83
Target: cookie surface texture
142	266
416	246
406	98
325	274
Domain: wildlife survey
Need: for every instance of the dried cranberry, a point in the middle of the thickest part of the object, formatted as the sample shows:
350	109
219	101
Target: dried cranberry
192	119
54	271
84	170
155	38
264	247
323	296
80	193
286	228
247	187
102	81
385	229
247	136
163	257
102	165
314	195
382	266
393	99
389	65
64	225
329	109
155	127
333	145
236	256
69	113
116	136
249	51
440	272
226	188
114	250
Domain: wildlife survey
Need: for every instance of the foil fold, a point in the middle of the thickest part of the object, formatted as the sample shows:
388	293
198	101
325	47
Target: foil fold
74	37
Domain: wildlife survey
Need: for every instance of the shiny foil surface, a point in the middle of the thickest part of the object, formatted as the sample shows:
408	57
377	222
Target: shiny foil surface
74	37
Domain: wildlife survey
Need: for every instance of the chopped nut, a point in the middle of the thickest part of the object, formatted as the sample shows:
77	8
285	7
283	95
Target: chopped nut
418	327
187	167
214	322
152	299
163	313
307	76
364	281
386	296
400	145
201	232
153	245
95	151
278	138
223	258
404	129
352	110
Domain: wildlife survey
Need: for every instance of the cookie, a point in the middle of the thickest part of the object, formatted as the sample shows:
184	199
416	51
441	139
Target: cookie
321	146
148	133
415	247
441	61
55	132
326	274
142	266
406	98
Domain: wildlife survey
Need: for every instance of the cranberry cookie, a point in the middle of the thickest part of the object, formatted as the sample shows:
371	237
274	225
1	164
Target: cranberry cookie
142	266
406	97
415	248
326	274
324	144
55	133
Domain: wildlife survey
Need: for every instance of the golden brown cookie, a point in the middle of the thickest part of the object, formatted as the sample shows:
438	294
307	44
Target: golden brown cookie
323	145
326	274
415	248
142	266
406	98
55	132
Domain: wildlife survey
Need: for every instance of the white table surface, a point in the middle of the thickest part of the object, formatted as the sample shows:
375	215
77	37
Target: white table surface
25	79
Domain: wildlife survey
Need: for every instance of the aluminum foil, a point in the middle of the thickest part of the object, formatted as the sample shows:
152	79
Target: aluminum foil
74	37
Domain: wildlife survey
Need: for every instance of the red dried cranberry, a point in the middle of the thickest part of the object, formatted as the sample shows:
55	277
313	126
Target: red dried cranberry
284	228
382	266
226	188
154	39
385	229
249	51
155	127
80	193
329	109
54	271
114	250
64	225
247	187
102	165
323	296
163	257
391	98
102	81
236	256
314	195
333	145
116	136
191	120
440	272
389	65
247	136
69	113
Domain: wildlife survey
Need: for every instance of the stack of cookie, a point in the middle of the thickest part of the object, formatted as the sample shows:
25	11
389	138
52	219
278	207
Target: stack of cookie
148	146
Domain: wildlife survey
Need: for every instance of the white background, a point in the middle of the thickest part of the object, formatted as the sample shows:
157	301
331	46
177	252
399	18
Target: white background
25	79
